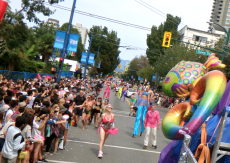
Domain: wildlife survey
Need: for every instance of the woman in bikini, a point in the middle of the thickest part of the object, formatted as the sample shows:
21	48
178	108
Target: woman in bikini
106	123
88	104
97	111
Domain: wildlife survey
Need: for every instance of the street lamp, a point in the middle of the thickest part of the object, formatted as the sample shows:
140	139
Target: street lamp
226	43
87	58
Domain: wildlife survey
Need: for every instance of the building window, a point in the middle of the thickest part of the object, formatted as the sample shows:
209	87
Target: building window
227	17
227	21
199	38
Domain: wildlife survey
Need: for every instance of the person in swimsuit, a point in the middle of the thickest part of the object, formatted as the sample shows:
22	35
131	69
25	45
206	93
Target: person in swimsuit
92	111
107	89
142	104
88	104
97	111
106	123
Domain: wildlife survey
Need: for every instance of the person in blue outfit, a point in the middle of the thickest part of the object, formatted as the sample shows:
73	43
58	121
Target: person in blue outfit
142	104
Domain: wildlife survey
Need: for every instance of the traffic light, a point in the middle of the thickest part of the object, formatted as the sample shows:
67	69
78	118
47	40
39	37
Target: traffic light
60	60
167	39
119	66
126	69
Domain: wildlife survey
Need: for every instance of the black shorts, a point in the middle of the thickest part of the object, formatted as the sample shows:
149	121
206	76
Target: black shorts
96	111
134	108
77	111
2	140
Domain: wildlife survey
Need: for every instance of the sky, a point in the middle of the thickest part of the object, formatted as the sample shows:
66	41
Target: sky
194	13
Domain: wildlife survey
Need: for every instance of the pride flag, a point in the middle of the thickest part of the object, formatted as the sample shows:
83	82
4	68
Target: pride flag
110	76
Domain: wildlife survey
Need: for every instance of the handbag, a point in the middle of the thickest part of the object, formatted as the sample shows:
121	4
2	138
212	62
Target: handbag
22	155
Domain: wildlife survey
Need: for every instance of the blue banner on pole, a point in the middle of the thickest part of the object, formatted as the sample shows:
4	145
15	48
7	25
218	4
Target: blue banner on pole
73	42
91	59
131	76
140	78
83	57
154	77
59	39
99	64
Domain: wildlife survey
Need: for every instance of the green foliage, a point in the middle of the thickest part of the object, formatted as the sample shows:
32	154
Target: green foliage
155	39
174	55
135	65
109	53
146	72
30	9
220	47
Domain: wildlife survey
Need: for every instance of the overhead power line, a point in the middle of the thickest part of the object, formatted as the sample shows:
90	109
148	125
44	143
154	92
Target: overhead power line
101	17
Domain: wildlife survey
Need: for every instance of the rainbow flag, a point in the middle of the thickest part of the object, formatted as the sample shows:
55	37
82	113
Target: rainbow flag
110	77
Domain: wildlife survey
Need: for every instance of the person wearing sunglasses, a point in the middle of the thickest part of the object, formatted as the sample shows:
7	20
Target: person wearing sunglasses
106	123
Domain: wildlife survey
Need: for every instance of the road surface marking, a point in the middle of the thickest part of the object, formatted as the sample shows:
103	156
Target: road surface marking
113	146
60	161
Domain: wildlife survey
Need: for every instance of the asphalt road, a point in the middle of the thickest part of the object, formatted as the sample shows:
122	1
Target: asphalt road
82	146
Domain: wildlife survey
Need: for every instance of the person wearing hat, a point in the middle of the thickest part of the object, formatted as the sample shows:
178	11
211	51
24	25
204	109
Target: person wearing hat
14	141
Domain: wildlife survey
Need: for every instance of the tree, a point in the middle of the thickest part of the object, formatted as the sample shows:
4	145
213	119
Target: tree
174	55
109	53
146	72
30	9
80	47
155	39
43	38
220	47
137	64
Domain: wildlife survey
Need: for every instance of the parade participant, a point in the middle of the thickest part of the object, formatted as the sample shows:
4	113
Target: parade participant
106	102
78	101
107	123
142	104
119	91
133	100
88	104
107	89
152	123
123	92
92	111
97	111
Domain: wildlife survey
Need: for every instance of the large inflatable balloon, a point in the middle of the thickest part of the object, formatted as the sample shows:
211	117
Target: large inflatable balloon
3	7
192	79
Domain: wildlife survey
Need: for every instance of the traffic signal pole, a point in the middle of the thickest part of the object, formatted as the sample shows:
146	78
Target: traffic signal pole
66	41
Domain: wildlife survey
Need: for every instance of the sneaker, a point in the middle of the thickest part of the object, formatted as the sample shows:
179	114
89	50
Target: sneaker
42	160
145	147
75	125
100	154
154	146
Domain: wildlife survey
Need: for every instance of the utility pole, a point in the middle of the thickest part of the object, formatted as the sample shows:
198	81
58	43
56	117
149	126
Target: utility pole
66	41
87	57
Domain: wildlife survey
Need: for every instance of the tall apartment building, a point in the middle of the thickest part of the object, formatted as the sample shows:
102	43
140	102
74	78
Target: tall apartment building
83	32
221	13
53	22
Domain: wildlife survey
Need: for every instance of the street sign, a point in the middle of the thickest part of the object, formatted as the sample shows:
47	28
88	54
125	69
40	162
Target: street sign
203	52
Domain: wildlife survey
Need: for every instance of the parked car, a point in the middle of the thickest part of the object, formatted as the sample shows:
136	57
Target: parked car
129	92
